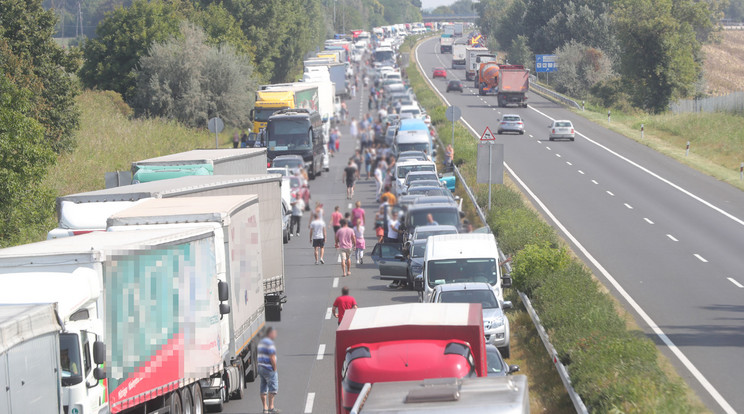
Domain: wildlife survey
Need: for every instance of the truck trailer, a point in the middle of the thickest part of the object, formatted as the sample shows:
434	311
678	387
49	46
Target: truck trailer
30	369
445	44
201	162
459	53
472	53
155	303
430	340
272	98
336	72
86	212
321	101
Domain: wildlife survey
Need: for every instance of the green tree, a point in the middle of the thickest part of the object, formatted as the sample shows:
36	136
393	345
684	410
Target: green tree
221	27
489	12
123	37
510	24
658	52
580	68
520	53
33	61
24	158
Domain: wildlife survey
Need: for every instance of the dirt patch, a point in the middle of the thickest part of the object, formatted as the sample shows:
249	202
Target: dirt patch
724	63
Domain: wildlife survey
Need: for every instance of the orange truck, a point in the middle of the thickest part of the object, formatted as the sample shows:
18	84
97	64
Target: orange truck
509	83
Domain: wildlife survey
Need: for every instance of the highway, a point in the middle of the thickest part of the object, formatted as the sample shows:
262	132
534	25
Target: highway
666	240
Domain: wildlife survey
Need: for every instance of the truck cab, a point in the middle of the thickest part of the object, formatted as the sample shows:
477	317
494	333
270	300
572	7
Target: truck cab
297	131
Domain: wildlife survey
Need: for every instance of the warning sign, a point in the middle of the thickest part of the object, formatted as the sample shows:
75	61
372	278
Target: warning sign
487	135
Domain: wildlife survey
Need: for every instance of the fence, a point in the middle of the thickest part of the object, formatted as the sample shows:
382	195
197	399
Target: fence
732	103
553	94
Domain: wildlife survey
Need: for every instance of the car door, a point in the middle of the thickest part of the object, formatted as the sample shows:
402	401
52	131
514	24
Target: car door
390	260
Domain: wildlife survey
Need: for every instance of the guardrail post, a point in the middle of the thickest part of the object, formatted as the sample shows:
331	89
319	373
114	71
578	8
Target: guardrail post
741	171
582	106
687	150
608	116
641	131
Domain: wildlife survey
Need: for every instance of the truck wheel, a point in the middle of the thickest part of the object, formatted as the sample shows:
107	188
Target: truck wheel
187	401
174	403
197	399
238	394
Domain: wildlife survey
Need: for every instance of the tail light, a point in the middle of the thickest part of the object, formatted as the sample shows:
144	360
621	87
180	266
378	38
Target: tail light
520	123
503	123
554	130
268	164
572	131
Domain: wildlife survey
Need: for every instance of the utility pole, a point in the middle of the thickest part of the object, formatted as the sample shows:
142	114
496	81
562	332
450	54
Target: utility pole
343	18
334	17
79	22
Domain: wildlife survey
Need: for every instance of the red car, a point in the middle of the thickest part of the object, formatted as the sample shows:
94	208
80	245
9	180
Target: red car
440	73
407	360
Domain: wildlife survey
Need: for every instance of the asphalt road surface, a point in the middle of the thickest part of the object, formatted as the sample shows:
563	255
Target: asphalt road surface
306	334
667	240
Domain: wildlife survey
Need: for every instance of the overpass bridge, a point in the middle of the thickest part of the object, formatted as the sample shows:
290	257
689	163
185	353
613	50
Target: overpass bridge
451	18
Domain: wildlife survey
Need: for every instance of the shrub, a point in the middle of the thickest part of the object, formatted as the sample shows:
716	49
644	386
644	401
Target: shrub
581	67
519	227
536	261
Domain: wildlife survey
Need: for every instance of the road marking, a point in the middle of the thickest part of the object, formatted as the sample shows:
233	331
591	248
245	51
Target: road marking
558	155
672	238
350	205
739	285
568	162
701	258
321	352
547	148
329	313
531	136
648	220
629	206
309	402
610	193
581	172
335	282
595	181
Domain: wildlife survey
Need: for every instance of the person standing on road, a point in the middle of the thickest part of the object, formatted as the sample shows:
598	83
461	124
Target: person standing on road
393	229
297	207
390	196
358	215
318	237
343	303
336	217
267	371
378	180
236	139
346	242
361	244
354	128
351	172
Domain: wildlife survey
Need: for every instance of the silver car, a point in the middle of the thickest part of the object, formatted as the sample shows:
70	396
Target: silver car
511	123
561	130
495	323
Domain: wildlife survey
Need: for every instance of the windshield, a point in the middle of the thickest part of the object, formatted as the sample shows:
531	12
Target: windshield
294	182
403	170
263	114
462	270
494	362
414	147
290	134
426	191
383	55
563	124
418	250
485	297
69	353
511	118
426	234
411	111
443	216
418	177
289	163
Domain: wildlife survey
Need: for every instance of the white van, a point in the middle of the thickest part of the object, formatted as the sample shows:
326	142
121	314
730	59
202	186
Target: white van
413	140
462	258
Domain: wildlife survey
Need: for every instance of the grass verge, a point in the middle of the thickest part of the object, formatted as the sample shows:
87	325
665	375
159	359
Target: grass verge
613	367
109	139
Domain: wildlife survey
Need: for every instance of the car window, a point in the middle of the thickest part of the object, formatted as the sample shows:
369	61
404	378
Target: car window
462	270
417	177
494	362
511	118
563	124
390	250
294	182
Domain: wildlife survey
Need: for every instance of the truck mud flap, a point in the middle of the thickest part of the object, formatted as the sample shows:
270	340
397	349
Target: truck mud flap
273	303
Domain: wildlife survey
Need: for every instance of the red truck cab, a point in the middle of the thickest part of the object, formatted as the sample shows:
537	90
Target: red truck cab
409	360
413	341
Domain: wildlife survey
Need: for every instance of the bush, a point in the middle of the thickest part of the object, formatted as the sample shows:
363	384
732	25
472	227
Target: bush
534	263
519	227
581	68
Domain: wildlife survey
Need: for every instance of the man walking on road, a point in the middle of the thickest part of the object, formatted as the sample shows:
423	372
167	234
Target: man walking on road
343	303
267	371
318	237
351	173
297	207
346	242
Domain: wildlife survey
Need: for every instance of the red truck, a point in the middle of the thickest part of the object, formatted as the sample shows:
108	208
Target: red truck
509	83
407	342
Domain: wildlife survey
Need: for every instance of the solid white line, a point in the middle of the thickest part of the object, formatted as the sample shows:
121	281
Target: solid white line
701	258
595	181
610	193
321	352
581	172
329	313
309	402
335	282
655	175
672	238
648	220
568	162
739	285
629	206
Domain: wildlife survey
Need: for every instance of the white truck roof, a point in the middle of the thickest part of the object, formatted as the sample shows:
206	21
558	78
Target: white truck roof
19	323
204	156
179	210
454	246
455	314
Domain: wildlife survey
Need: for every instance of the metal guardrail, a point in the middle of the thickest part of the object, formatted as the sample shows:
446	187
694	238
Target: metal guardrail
553	94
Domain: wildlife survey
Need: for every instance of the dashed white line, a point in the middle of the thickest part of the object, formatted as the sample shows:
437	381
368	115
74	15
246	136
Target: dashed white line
628	206
595	181
732	280
568	162
648	220
531	136
335	282
610	193
321	352
581	172
701	258
672	238
547	148
558	155
329	313
309	402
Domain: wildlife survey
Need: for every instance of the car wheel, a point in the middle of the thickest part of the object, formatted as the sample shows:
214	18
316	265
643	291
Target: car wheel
521	132
499	132
572	139
550	139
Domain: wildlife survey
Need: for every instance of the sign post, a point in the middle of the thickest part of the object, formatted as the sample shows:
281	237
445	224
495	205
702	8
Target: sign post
453	114
216	126
490	168
545	64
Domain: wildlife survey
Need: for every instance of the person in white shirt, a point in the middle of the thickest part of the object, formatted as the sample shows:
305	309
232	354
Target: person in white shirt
393	227
318	237
297	207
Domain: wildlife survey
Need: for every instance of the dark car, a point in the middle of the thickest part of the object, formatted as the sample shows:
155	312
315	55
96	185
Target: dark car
497	367
454	85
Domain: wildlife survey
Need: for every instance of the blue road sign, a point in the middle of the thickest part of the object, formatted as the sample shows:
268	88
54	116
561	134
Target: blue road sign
545	63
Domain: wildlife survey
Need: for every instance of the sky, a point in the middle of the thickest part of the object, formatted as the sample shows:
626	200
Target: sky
432	4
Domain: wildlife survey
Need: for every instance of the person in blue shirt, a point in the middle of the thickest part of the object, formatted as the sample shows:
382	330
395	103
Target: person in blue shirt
267	371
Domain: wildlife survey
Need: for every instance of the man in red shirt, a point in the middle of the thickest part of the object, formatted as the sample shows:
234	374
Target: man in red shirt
343	303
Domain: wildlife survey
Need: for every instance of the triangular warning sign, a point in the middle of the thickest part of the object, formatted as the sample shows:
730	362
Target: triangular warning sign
487	135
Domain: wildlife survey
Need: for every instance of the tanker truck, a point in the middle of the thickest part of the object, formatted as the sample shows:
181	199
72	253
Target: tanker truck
509	83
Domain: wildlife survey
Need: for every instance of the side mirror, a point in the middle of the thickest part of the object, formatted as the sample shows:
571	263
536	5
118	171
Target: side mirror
513	368
400	257
462	215
224	308
222	291
506	282
253	111
99	374
507	305
99	353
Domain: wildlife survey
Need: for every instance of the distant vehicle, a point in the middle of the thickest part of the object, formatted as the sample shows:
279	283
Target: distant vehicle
440	73
412	155
283	171
443	213
297	132
292	162
497	367
495	323
414	110
423	232
454	85
561	129
511	123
